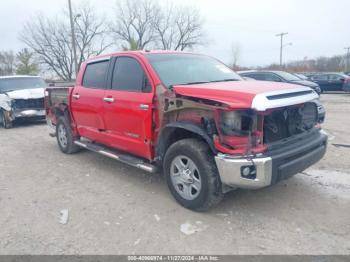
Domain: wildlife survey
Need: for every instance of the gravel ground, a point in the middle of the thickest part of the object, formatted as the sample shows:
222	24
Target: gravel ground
116	209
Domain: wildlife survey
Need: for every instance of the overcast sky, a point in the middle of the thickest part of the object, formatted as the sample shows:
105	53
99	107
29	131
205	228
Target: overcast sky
316	27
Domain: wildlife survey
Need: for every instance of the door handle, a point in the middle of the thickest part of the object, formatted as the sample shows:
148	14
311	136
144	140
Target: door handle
108	99
144	107
76	96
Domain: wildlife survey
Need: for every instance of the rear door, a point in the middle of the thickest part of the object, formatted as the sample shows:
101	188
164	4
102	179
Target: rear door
128	107
87	100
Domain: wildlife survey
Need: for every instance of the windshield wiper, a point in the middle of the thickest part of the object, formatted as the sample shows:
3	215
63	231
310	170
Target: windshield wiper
212	81
225	80
195	83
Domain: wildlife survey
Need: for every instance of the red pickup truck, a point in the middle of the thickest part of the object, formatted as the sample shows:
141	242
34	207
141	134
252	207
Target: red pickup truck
192	117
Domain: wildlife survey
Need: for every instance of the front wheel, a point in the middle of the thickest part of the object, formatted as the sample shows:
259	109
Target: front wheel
4	117
191	174
65	137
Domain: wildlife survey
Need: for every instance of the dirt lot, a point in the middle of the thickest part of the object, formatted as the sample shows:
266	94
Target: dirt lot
115	209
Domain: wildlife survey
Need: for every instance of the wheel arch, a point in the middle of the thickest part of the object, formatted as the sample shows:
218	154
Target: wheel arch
180	130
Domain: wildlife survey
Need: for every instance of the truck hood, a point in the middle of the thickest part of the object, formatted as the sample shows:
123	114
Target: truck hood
27	93
258	95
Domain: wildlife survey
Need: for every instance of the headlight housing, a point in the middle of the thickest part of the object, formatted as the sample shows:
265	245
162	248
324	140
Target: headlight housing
238	123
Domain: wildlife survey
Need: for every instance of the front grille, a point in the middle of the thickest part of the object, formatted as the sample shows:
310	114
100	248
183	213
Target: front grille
29	103
289	121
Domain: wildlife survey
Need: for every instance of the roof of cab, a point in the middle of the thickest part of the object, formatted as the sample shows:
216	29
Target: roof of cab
139	52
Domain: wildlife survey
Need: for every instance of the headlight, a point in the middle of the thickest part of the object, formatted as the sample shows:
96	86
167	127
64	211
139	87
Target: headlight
238	123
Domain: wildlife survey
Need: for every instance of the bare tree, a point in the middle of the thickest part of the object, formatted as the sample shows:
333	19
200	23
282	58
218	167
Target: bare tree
179	27
7	63
235	54
134	20
50	39
147	23
91	34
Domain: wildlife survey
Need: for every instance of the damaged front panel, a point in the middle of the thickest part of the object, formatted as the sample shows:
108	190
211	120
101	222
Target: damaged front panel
235	131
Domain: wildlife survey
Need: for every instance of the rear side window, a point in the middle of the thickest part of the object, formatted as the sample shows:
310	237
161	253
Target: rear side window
271	77
95	75
319	77
128	75
258	76
336	77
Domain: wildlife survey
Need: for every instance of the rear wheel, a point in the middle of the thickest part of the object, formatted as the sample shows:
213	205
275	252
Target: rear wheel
65	137
191	174
4	122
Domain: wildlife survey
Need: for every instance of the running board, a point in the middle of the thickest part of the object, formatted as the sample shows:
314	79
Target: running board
124	158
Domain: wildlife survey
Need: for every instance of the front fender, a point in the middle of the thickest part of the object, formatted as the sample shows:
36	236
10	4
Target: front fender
5	102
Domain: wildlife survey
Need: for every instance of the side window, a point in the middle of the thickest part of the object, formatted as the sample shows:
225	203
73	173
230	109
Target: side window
254	76
272	77
335	77
320	77
95	74
128	75
259	76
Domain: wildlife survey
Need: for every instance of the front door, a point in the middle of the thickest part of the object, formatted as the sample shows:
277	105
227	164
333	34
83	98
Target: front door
128	108
87	101
336	82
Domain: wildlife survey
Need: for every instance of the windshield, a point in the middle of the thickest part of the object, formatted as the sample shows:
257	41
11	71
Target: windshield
288	76
181	69
12	84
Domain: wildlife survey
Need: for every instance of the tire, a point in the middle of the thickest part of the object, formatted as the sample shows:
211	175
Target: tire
198	185
65	137
4	122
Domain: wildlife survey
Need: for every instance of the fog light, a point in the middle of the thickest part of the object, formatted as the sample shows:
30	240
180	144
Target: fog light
248	172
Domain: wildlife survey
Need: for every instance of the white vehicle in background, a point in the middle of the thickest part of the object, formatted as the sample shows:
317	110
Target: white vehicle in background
21	97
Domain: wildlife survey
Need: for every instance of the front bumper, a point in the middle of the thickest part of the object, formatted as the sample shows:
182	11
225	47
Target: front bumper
29	113
282	161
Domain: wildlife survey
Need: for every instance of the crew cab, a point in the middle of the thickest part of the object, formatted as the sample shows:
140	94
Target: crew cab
190	117
21	97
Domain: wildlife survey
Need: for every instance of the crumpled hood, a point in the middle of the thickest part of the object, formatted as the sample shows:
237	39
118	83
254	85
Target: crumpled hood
27	93
258	95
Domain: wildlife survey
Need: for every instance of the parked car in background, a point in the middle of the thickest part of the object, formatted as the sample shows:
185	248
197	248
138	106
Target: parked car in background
21	97
331	81
279	76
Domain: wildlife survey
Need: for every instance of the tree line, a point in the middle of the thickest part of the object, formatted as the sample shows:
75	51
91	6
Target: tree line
21	63
136	25
335	63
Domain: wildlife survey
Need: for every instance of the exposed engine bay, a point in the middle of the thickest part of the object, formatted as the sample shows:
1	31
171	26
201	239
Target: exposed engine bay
289	121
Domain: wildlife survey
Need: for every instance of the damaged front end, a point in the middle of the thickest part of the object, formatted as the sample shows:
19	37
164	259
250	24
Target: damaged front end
6	112
20	108
254	147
